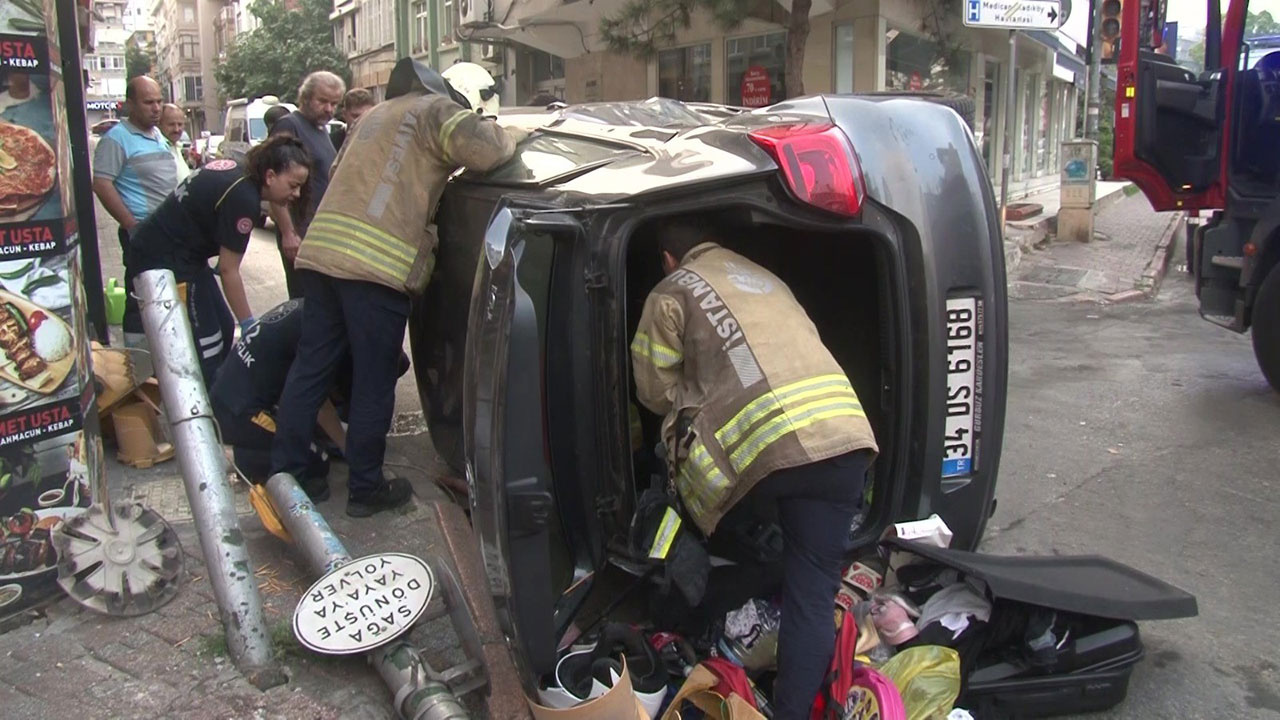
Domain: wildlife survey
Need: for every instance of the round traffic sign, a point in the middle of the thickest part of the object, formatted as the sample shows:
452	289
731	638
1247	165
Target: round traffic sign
368	602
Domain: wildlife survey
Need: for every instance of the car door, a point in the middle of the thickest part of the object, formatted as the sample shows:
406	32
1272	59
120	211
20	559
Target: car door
506	467
1172	128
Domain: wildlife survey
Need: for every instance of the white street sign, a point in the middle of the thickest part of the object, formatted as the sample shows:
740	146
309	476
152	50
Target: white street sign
1013	14
366	603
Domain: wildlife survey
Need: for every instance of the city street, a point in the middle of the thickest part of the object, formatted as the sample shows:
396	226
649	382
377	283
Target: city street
1135	430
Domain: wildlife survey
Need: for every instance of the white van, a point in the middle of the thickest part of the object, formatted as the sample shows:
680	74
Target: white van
244	126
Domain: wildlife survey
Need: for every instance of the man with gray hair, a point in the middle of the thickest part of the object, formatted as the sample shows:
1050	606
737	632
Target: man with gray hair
318	98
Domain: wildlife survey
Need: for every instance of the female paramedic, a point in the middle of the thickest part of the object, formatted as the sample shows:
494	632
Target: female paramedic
210	215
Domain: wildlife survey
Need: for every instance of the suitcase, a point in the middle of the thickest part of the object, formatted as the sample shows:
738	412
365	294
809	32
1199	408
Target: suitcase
1101	598
1092	675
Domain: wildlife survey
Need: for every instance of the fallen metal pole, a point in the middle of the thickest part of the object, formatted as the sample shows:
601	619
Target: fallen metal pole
204	473
418	695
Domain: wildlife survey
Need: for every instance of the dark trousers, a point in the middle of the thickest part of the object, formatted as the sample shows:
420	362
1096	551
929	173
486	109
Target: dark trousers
341	316
251	435
291	284
132	314
212	324
816	504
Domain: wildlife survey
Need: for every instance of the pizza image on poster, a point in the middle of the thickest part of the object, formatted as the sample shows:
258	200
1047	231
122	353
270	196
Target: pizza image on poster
28	164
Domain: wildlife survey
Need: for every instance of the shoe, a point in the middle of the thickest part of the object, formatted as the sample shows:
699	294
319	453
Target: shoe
392	494
316	488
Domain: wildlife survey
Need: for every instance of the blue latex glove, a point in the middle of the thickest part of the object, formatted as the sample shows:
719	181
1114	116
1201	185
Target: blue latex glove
247	323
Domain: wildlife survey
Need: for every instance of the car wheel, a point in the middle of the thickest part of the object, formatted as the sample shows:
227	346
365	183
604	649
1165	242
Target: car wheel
1266	327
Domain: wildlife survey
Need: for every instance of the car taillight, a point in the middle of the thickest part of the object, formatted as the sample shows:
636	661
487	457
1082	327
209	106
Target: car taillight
818	164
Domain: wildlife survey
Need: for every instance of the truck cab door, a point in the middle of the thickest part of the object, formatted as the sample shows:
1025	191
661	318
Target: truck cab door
1169	124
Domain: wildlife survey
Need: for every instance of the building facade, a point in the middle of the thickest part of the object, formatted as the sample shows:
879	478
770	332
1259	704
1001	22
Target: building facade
190	34
853	46
374	33
105	66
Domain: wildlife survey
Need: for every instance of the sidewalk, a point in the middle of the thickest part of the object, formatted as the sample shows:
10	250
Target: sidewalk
1021	236
1126	260
62	661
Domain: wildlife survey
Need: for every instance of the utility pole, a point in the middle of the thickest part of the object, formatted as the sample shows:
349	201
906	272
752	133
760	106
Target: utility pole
1011	97
1094	83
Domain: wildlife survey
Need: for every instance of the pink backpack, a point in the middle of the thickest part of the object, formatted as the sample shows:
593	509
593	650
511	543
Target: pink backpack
855	692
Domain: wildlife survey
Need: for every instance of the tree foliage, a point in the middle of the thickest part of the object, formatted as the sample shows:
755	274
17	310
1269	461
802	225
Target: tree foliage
642	27
138	62
289	44
1255	25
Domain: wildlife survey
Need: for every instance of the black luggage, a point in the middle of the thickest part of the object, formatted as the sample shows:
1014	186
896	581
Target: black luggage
1095	603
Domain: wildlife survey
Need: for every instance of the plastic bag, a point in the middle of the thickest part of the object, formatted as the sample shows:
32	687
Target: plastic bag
928	678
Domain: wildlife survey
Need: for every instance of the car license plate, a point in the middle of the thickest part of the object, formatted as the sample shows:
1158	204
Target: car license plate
964	386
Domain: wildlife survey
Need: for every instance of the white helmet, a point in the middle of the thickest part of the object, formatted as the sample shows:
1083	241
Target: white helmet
476	84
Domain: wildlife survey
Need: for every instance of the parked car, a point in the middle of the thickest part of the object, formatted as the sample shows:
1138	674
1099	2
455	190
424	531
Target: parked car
244	127
878	214
102	126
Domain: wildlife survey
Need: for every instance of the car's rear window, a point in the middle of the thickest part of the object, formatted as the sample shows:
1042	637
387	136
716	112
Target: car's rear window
544	157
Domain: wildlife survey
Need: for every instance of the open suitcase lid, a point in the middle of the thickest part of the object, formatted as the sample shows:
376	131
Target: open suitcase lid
1083	584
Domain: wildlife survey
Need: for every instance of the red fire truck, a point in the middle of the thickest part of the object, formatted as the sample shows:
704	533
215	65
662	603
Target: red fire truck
1209	143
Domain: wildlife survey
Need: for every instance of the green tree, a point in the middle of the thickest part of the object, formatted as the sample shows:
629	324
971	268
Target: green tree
641	27
1255	25
273	58
137	62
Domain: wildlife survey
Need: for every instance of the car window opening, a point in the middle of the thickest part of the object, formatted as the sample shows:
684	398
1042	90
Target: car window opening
835	276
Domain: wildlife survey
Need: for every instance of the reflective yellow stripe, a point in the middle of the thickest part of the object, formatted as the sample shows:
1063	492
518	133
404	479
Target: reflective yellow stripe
379	240
665	536
772	401
363	229
446	130
356	245
701	484
660	355
788	422
343	247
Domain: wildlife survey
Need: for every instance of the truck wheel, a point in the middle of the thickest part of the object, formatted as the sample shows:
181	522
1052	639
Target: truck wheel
1266	327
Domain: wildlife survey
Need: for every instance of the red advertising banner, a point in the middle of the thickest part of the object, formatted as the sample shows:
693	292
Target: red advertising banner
757	90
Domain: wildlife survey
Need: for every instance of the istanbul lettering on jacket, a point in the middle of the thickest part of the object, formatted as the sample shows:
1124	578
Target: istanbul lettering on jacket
717	313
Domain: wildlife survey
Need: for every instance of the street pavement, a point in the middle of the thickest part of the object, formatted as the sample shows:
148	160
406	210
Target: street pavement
1134	430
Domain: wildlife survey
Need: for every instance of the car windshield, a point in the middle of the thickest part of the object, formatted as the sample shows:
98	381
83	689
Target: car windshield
544	157
257	128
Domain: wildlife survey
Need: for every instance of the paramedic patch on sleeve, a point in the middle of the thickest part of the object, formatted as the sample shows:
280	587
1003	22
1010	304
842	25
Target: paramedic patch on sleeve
244	225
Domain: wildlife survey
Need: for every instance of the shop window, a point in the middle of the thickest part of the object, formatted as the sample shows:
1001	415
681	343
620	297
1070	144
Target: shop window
1043	137
917	63
844	58
546	67
685	73
1030	114
758	64
991	102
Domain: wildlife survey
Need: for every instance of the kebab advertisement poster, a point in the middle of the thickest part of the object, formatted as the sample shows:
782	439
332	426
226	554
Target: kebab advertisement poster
47	457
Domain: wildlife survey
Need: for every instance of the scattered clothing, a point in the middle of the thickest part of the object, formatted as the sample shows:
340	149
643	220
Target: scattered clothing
954	606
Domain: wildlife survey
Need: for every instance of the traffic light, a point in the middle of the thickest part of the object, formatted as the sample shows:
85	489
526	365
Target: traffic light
1110	28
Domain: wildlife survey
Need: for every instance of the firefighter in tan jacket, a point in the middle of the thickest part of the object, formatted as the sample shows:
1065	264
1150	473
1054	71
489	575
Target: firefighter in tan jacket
369	249
754	403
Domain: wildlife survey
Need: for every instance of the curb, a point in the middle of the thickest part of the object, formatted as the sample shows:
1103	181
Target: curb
1021	239
1147	286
